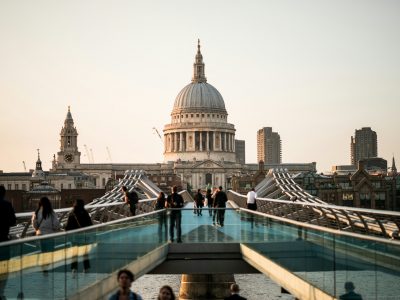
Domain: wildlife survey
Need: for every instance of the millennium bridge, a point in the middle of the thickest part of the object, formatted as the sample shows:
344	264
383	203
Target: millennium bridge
308	247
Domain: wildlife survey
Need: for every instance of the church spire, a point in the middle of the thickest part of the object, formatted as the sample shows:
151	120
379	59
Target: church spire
38	162
198	66
68	118
394	169
38	172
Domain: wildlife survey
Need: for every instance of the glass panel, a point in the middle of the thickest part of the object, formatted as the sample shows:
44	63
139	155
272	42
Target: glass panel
324	259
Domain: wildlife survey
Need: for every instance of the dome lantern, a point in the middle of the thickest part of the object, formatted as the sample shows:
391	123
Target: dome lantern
199	96
198	66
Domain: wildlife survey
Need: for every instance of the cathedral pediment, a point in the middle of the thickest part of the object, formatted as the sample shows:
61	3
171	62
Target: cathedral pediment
208	164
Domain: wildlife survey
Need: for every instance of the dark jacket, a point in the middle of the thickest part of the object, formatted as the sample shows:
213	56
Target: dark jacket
160	204
350	296
235	297
199	199
221	199
175	201
7	219
78	219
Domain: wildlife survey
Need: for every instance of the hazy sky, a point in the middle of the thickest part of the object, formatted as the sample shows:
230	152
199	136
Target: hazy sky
313	70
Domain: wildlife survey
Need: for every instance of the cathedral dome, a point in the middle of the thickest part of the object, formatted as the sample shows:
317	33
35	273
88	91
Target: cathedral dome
199	96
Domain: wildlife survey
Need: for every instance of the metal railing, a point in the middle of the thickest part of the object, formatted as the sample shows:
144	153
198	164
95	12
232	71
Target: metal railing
358	220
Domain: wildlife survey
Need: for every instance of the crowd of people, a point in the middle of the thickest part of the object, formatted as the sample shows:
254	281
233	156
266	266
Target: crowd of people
215	201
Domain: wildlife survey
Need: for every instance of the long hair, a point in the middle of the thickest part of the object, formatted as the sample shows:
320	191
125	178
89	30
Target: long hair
167	287
161	195
45	205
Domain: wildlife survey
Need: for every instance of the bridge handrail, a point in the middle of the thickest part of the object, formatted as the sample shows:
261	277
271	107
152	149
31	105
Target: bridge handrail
324	229
332	206
88	206
70	232
362	220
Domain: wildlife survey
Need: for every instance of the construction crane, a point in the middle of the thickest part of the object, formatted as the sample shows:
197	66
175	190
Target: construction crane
109	154
23	162
91	155
88	154
159	135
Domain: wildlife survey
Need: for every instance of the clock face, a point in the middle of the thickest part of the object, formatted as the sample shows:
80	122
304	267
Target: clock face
69	157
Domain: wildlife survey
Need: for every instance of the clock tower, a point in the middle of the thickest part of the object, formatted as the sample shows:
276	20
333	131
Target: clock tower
68	157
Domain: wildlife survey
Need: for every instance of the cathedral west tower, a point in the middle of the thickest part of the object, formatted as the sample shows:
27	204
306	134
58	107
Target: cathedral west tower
68	157
199	128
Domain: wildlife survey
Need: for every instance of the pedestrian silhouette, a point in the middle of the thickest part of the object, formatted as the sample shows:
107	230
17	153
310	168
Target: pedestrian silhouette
350	294
79	218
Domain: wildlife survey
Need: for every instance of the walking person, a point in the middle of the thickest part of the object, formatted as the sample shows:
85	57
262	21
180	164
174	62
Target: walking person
45	221
215	218
7	216
252	204
130	198
79	218
209	202
221	199
350	294
125	279
7	219
198	198
175	201
166	293
234	289
161	203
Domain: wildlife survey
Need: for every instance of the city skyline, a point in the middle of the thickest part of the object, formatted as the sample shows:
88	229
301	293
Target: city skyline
313	71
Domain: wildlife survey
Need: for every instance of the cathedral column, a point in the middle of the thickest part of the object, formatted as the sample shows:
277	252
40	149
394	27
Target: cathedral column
208	141
181	141
201	140
213	141
175	142
233	143
225	142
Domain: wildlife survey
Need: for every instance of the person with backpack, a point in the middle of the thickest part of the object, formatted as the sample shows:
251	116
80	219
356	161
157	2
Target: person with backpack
175	201
130	198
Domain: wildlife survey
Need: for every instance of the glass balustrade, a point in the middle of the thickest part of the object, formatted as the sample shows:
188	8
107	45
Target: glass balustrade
40	268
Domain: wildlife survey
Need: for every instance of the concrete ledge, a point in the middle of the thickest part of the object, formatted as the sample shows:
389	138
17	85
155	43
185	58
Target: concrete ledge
298	287
104	287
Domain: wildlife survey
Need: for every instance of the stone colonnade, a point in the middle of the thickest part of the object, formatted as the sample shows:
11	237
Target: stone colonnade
184	141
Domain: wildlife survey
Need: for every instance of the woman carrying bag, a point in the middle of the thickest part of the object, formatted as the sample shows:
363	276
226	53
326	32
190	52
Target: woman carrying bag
45	221
79	218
